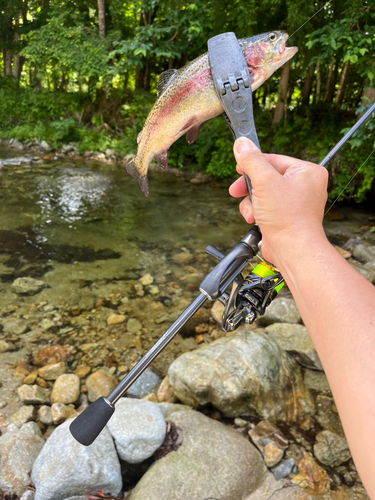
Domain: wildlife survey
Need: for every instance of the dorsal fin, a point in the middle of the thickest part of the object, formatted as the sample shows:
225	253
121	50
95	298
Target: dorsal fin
164	80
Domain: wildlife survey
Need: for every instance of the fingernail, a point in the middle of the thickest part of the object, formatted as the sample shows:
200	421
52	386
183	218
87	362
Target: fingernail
243	144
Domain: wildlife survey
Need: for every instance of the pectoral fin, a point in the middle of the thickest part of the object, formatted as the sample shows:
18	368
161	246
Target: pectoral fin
192	134
162	158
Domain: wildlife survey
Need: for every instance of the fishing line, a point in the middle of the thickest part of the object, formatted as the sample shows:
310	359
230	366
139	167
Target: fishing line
357	172
317	12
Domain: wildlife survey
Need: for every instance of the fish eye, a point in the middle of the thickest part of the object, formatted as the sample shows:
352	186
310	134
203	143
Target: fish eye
272	37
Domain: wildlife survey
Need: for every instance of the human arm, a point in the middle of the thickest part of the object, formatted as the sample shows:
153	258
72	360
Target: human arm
336	303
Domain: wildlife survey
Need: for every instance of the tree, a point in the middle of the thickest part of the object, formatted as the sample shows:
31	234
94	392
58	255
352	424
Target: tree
101	18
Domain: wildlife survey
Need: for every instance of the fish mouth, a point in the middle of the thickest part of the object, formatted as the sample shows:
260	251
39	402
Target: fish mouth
281	46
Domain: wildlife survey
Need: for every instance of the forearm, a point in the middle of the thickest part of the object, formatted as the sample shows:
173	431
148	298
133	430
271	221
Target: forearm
338	308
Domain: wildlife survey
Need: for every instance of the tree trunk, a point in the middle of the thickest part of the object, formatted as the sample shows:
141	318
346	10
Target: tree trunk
17	57
7	58
139	78
147	79
101	18
342	84
142	76
281	98
318	82
307	85
329	80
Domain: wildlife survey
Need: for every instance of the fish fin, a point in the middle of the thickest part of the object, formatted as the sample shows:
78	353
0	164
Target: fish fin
162	158
188	125
164	80
192	134
142	180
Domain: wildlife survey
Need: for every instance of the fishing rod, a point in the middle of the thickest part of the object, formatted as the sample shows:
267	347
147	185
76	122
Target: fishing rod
249	296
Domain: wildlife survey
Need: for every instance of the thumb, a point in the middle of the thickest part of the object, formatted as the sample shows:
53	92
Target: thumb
251	161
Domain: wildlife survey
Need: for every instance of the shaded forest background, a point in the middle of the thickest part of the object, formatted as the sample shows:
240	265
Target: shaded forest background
85	72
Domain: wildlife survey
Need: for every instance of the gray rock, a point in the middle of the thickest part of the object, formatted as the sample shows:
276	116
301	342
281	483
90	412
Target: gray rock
351	243
18	451
366	273
296	341
68	148
168	408
14	326
33	394
45	415
66	389
23	415
213	462
283	469
370	266
316	381
370	236
138	428
28	495
44	145
27	286
241	374
66	468
281	310
331	449
327	415
364	254
146	383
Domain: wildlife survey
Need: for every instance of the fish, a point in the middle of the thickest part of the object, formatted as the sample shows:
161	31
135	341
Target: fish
186	98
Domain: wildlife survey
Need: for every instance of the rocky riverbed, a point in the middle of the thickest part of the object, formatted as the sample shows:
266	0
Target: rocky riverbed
87	287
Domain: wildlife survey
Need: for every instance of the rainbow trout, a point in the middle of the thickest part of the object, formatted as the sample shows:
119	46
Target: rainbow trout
187	98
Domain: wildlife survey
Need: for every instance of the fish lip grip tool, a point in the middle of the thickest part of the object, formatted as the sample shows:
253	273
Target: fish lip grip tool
232	83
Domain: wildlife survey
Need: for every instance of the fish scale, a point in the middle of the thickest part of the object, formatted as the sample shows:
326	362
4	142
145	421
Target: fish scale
188	98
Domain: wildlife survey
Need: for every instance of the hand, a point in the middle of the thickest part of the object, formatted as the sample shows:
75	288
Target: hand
288	197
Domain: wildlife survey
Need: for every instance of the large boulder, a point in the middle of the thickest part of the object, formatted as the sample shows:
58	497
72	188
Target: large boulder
296	341
65	468
244	373
138	428
213	461
18	451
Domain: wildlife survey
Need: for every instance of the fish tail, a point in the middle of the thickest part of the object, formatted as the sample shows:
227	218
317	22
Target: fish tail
132	169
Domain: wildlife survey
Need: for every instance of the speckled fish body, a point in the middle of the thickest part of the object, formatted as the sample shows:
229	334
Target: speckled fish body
187	98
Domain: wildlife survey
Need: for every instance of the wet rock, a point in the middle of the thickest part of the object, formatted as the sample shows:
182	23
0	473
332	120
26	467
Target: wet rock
138	289
219	373
52	372
281	310
327	415
61	412
296	341
65	468
15	326
154	290
66	389
100	383
33	394
316	381
200	468
344	253
138	428
134	326
272	454
370	236
22	369
169	408
52	354
18	451
27	286
31	378
265	432
182	258
45	415
364	254
366	273
311	475
284	469
146	279
6	346
82	371
217	311
165	392
146	383
28	495
331	449
115	319
25	414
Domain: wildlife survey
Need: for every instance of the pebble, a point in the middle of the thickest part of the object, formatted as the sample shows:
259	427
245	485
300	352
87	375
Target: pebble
2	404
133	325
22	369
344	253
82	371
311	475
146	383
331	449
61	412
272	454
100	383
217	311
45	415
115	319
240	422
66	389
146	279
41	382
51	372
182	258
52	354
31	378
23	415
265	430
165	392
6	346
27	286
283	469
33	394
